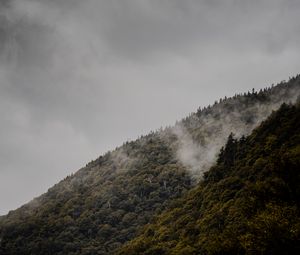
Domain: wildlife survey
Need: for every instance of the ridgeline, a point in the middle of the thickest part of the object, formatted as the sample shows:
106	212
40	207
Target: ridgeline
163	177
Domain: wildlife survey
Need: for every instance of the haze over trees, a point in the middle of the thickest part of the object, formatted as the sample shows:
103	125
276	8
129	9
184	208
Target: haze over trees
163	178
248	203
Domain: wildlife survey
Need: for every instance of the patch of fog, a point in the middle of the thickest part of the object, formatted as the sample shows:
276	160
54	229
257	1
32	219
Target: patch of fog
201	136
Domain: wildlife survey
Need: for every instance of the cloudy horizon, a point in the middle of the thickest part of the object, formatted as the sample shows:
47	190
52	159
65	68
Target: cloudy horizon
78	78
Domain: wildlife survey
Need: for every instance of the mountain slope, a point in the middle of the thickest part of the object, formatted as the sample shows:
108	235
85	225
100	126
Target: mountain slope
104	204
249	203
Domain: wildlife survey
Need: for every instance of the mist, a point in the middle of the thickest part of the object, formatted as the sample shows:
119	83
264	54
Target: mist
78	78
237	115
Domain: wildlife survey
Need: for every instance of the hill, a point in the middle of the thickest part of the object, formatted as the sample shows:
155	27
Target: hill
248	203
103	205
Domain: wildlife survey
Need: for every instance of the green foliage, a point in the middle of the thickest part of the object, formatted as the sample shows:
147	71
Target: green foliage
100	207
247	204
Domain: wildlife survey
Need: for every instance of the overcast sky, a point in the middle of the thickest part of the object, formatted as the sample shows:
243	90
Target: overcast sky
78	78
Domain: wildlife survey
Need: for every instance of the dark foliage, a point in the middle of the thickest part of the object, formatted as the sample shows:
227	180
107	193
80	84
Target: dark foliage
100	207
248	203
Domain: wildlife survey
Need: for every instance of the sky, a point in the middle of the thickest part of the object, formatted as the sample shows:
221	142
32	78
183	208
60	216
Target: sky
78	78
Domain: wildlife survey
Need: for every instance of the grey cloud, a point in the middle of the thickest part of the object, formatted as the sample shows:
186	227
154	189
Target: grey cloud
78	78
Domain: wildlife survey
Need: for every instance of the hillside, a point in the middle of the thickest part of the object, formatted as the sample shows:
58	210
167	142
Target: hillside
248	203
103	205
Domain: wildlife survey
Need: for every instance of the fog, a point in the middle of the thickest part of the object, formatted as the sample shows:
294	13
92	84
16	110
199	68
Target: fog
237	116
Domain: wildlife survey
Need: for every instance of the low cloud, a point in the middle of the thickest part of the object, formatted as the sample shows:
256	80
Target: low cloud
201	136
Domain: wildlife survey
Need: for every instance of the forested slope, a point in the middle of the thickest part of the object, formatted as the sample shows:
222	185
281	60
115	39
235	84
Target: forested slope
103	205
248	203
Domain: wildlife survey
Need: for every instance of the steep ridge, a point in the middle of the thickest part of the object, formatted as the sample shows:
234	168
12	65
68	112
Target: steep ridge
248	203
104	204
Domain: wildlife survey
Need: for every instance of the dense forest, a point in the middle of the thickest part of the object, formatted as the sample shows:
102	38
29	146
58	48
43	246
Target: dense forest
248	203
109	201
